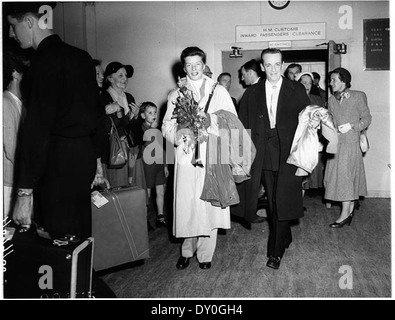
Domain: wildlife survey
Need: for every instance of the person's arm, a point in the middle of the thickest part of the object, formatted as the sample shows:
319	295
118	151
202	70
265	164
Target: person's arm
365	117
23	210
99	178
113	108
9	131
38	125
169	125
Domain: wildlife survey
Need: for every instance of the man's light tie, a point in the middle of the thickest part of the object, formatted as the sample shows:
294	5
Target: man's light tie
272	116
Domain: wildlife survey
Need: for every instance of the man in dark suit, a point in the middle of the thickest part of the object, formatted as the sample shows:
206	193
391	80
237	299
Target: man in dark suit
270	110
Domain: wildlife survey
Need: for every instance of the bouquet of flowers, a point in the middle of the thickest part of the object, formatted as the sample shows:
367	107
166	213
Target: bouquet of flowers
190	117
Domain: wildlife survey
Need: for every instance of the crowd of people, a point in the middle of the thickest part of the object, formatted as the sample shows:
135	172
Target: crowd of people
56	145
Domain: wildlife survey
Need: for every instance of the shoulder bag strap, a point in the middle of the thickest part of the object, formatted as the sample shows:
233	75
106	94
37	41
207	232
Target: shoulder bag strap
209	98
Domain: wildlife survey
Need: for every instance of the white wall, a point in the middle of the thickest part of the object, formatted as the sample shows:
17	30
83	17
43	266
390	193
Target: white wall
151	36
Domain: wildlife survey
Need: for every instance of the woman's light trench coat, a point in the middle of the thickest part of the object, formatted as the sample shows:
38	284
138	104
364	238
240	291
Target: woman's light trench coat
192	216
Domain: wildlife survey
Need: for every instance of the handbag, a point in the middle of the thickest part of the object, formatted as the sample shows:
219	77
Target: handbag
118	153
363	141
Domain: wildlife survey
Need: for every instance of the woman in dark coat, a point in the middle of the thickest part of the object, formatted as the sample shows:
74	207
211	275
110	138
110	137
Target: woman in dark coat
121	109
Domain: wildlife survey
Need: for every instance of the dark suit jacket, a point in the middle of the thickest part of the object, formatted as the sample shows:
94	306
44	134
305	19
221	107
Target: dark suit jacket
254	116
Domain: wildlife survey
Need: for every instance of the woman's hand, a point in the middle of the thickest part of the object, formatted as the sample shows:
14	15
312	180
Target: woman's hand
182	82
112	108
134	108
344	128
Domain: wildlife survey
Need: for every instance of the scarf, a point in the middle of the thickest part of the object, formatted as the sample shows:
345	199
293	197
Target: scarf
120	99
199	87
340	95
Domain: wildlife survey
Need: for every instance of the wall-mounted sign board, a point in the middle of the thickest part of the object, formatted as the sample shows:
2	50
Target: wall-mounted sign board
280	32
280	44
376	34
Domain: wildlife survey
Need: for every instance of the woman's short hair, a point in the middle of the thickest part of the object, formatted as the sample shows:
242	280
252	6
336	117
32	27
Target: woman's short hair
192	51
344	76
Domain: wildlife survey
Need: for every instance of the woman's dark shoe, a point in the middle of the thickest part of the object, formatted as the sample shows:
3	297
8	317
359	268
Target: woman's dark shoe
205	265
342	223
182	263
274	262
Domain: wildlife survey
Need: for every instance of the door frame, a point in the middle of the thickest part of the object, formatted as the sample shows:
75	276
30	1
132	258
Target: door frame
295	54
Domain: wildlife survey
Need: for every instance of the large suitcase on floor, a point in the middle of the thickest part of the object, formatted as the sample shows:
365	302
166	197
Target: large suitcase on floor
37	267
119	228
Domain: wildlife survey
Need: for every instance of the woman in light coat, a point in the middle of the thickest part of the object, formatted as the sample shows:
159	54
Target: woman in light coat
345	179
194	219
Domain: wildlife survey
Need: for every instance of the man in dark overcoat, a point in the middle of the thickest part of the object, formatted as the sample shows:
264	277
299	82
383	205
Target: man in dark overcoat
59	146
270	110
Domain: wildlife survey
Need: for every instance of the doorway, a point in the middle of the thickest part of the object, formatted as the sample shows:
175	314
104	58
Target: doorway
314	60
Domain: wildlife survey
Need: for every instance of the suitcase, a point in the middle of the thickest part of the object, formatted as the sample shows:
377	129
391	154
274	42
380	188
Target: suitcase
119	227
37	267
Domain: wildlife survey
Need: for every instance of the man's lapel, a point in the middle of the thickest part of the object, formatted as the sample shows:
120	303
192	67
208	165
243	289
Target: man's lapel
260	98
283	96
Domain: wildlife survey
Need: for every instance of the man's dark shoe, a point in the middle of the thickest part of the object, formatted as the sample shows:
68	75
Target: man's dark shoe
205	265
182	263
274	262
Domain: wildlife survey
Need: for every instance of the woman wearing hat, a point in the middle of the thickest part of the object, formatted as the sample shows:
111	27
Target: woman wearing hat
120	107
345	179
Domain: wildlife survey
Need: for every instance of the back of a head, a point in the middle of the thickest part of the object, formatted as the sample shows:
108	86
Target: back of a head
19	9
316	76
252	65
